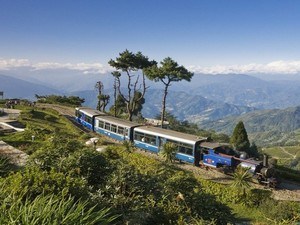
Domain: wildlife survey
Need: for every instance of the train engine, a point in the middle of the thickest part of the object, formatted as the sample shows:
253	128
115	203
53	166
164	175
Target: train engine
227	160
261	170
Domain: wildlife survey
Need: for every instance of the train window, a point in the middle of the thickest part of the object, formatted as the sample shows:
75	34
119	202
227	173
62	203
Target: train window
113	128
147	138
100	124
107	126
138	136
183	148
204	150
88	119
120	130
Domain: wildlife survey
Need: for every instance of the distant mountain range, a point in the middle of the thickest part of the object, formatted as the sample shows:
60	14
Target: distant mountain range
17	88
213	101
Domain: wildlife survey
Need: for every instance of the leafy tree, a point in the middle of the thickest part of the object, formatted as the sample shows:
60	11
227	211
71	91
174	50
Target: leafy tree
239	138
103	99
253	150
169	72
120	105
57	99
130	64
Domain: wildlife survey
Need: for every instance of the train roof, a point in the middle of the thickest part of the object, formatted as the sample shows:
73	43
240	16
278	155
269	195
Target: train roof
90	112
170	134
212	145
117	121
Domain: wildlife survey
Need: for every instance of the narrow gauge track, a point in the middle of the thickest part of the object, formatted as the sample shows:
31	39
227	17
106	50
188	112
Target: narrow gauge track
66	111
287	190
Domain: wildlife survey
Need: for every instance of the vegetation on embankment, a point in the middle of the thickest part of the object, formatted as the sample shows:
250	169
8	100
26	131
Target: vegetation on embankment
117	186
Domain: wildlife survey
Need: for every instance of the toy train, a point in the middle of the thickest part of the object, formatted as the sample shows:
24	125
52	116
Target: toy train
190	148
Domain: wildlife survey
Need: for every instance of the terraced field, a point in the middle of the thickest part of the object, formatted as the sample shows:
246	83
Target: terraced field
285	155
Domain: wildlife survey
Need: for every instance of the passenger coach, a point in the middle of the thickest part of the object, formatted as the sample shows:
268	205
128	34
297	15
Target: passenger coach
153	138
86	116
115	128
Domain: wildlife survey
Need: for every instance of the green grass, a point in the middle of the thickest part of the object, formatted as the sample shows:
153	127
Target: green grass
276	152
42	124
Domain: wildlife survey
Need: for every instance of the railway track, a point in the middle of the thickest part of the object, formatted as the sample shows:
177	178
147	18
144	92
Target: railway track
66	111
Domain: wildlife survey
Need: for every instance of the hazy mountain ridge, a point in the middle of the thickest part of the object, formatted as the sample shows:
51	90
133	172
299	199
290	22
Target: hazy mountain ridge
248	90
17	88
265	127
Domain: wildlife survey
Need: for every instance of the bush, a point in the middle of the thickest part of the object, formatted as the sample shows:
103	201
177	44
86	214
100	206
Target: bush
281	211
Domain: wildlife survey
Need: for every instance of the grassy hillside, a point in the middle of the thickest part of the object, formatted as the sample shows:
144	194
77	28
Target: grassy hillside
117	186
288	156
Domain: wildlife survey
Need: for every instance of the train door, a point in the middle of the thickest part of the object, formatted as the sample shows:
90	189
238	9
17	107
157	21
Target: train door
197	156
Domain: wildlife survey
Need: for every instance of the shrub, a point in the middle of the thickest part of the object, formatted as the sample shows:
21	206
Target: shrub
283	212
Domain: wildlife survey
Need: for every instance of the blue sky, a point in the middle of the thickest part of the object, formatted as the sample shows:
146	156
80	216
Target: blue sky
212	35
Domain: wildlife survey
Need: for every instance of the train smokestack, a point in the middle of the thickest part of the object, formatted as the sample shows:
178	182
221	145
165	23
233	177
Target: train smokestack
265	161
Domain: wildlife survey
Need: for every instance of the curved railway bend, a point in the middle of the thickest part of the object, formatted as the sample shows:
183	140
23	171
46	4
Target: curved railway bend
287	190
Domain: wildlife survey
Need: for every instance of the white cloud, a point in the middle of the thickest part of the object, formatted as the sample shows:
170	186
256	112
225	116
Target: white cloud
276	67
7	64
86	68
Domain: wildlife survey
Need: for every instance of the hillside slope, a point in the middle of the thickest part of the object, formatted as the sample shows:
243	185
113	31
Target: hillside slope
265	127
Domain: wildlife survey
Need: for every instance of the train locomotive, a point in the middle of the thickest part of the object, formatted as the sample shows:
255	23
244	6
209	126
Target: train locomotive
190	148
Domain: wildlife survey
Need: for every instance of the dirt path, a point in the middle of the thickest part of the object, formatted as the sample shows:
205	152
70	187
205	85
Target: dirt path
288	153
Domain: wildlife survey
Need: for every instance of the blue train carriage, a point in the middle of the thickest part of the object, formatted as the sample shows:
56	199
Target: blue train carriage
217	155
115	128
86	116
153	138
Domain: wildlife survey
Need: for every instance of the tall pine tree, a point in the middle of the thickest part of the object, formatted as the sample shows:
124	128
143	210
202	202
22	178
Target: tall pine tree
239	138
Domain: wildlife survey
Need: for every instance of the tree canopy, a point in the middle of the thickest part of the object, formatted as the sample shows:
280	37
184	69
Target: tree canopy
168	72
129	64
239	138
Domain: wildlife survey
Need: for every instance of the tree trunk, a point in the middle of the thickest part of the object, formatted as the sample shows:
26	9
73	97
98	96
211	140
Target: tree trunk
129	111
163	111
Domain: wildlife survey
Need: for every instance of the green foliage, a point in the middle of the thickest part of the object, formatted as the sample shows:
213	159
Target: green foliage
5	166
57	99
121	107
49	210
103	100
170	195
287	173
35	182
141	189
168	73
241	179
168	152
128	146
239	138
129	64
281	212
